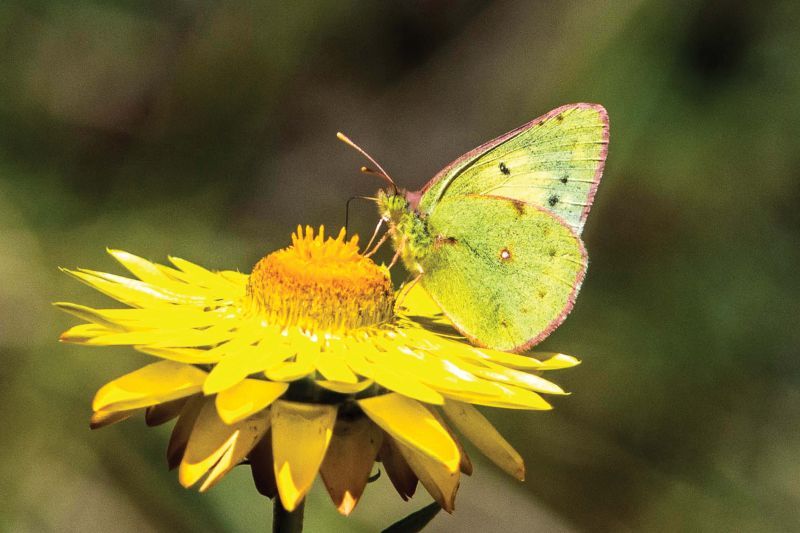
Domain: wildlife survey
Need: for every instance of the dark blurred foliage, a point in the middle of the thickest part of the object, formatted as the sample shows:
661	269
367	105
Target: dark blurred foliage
206	130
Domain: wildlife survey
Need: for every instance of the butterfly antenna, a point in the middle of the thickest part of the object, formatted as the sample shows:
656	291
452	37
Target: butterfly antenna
381	173
367	170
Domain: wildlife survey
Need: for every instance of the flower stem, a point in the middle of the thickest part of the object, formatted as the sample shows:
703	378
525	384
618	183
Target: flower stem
284	521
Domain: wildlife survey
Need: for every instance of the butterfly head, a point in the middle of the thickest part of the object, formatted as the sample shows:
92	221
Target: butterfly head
392	205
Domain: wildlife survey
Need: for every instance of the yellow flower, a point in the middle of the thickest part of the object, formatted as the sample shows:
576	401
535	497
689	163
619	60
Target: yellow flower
310	364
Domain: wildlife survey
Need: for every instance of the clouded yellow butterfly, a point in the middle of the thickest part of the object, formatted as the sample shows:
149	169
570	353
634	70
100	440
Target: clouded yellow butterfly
495	235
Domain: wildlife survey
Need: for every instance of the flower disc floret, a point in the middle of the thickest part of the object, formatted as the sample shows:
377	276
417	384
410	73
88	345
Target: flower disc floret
320	285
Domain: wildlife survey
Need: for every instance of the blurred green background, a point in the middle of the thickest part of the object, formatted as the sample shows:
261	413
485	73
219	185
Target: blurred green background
206	130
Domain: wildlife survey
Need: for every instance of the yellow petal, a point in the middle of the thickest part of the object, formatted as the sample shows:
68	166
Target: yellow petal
84	333
455	347
131	291
139	267
251	431
289	371
158	414
308	351
183	429
400	474
387	369
162	276
465	466
202	276
150	272
349	460
506	396
166	338
354	357
216	447
333	368
556	361
438	480
236	365
406	384
300	436
237	278
161	317
345	388
240	360
247	397
106	418
408	422
89	315
155	383
511	376
193	356
261	466
440	374
418	302
248	332
473	425
175	274
500	357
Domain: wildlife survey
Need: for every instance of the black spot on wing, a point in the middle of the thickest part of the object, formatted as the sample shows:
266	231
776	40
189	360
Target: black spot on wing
559	118
504	169
564	179
553	200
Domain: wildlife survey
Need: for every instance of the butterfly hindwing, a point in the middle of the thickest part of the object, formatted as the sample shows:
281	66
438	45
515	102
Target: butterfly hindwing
504	271
555	162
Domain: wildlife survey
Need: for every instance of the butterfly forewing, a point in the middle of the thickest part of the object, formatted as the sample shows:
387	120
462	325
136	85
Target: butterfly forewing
554	162
504	271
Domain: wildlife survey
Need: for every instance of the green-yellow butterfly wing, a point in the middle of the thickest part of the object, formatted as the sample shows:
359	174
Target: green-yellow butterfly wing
506	272
555	161
496	234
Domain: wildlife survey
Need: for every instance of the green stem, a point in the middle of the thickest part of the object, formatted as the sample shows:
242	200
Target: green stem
284	521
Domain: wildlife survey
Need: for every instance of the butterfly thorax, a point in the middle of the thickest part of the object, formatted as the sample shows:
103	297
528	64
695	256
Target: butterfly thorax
408	230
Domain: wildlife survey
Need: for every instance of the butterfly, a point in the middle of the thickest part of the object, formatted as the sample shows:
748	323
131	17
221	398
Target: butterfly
494	237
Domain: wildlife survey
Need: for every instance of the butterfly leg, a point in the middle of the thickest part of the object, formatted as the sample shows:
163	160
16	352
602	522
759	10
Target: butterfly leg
398	252
377	245
375	233
407	289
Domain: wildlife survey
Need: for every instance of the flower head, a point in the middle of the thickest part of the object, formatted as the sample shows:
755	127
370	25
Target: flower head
311	364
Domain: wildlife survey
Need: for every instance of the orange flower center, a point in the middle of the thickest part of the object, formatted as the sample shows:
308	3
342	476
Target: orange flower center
320	285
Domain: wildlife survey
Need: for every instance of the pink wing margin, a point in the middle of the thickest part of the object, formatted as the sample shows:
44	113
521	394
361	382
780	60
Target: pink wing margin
414	197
